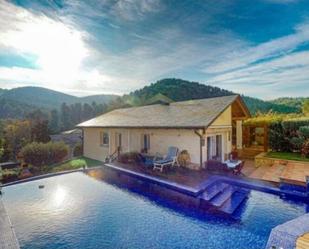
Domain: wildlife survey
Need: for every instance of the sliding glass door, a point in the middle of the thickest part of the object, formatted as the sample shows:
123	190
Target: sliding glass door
214	147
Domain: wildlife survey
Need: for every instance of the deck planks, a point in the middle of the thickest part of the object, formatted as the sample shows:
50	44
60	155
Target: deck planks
303	241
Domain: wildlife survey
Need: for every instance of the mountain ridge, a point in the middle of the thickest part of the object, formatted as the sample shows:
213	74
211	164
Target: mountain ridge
46	98
21	100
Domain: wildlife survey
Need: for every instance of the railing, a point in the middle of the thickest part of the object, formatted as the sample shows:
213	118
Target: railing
113	156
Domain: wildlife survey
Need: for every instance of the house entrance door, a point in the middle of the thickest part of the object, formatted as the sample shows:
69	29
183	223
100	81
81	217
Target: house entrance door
214	148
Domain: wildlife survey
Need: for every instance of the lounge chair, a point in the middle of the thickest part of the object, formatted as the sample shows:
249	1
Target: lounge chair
149	160
170	159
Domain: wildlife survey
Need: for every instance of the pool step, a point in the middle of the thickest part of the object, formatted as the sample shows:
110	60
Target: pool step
221	198
211	191
234	202
225	198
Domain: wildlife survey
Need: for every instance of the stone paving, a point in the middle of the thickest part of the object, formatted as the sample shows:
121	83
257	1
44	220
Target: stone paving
8	238
294	172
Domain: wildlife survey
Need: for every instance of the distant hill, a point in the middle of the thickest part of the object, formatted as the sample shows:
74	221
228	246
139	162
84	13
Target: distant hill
179	90
293	102
46	98
17	102
11	109
2	91
100	98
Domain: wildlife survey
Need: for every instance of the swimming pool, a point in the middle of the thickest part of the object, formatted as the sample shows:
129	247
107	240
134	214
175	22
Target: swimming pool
78	211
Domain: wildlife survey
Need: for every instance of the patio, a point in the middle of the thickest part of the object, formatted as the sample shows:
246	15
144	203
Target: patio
185	176
292	172
180	175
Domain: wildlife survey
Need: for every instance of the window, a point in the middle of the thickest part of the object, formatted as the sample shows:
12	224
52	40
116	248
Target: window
104	139
146	142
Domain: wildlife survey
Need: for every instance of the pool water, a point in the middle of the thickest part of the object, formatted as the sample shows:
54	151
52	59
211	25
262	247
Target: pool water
78	211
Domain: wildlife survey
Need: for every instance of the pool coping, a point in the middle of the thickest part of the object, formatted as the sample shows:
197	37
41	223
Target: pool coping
8	238
33	178
182	188
286	234
196	191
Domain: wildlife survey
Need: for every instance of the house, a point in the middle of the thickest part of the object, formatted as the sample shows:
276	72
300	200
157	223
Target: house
206	128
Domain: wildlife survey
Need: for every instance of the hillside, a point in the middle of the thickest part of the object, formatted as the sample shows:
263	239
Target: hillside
293	102
17	102
14	109
2	91
178	90
46	98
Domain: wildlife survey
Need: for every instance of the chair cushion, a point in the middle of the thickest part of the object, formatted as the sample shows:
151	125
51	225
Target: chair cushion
172	152
163	161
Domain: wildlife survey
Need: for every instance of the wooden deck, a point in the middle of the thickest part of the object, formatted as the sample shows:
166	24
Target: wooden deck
181	175
303	242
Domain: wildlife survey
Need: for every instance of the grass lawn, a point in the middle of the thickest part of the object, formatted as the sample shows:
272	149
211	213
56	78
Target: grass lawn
75	163
287	156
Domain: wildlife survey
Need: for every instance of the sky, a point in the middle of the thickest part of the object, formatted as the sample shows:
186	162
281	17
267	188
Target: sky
259	48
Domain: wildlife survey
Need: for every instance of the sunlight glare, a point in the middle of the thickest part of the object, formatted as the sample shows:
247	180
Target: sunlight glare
59	48
59	196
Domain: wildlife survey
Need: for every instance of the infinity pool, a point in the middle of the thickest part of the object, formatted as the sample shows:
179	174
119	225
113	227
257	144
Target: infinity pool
78	211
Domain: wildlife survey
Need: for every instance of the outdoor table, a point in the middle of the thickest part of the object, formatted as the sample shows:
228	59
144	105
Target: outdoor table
232	164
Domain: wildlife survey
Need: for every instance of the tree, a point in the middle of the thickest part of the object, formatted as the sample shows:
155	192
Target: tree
40	131
39	126
16	135
305	107
54	121
87	111
66	122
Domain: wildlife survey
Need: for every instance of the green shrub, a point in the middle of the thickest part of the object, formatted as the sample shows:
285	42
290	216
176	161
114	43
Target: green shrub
288	135
9	175
297	143
78	150
278	141
305	149
76	164
39	154
58	151
304	131
293	125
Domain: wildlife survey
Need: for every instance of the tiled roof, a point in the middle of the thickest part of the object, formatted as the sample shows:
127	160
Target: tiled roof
185	114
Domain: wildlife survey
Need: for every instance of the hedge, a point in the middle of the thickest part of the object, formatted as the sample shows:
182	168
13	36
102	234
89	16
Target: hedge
289	135
39	154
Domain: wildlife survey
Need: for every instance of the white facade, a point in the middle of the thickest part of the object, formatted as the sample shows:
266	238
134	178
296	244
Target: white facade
158	140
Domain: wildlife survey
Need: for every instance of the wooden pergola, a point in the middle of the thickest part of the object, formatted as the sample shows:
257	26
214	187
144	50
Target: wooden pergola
251	138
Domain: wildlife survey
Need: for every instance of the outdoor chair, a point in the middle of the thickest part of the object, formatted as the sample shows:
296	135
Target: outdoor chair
170	159
237	170
148	161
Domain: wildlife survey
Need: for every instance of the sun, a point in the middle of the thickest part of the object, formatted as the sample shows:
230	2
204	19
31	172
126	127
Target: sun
58	48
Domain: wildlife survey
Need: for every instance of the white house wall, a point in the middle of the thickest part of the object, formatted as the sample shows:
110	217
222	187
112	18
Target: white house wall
160	139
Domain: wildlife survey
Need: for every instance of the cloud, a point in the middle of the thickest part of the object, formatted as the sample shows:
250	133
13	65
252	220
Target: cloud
267	69
135	10
268	50
118	46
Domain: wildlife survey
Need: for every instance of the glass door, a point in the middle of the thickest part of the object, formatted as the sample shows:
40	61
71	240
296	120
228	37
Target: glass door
214	148
118	140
